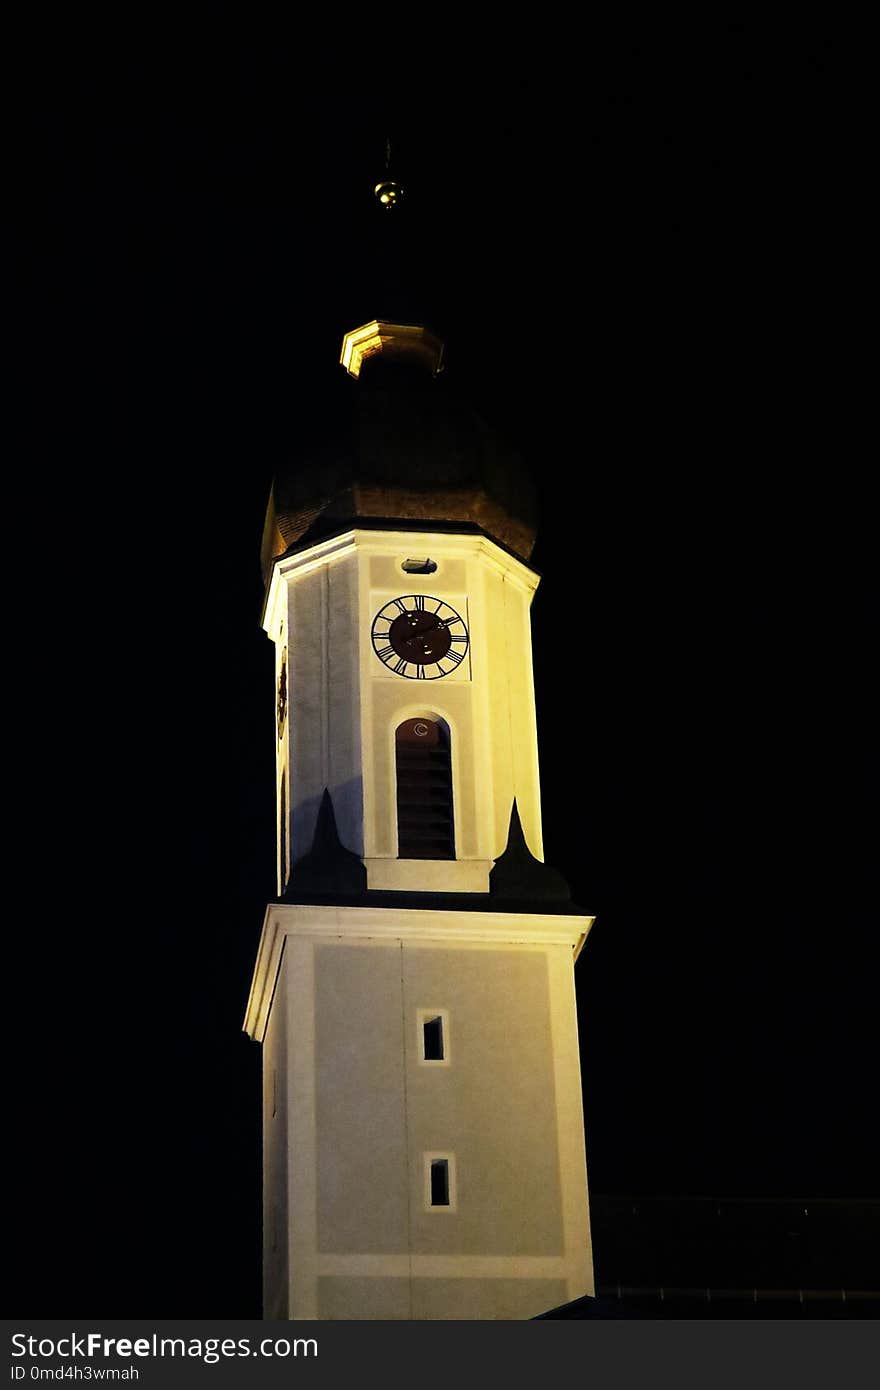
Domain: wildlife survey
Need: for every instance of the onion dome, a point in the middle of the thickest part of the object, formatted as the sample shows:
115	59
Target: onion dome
395	447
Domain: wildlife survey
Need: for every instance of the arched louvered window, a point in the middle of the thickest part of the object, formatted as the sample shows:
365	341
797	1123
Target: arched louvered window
425	825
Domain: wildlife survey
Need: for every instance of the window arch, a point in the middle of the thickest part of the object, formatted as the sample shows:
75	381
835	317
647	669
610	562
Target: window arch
425	822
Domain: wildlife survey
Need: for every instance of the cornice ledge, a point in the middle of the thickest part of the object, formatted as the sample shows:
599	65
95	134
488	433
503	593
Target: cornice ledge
416	924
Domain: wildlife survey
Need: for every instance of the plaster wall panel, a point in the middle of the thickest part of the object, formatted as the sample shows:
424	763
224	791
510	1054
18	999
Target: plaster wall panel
306	685
485	1299
324	701
349	1298
494	1106
386	572
344	773
500	726
524	734
276	1215
359	1087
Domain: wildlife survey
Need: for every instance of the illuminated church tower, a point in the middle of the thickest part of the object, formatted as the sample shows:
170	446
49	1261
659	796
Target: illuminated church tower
423	1139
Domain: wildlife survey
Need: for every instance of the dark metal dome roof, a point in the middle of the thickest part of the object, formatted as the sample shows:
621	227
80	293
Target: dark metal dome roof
398	446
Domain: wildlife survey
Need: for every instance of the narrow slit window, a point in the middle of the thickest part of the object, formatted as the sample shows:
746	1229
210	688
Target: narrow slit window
440	1194
440	1182
432	1029
432	1026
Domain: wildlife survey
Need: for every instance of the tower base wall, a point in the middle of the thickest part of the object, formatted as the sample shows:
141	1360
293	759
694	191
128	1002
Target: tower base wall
403	1041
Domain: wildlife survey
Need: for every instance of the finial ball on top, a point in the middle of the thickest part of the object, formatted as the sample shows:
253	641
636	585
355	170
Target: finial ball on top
388	194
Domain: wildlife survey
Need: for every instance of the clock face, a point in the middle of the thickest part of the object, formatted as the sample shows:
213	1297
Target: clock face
419	637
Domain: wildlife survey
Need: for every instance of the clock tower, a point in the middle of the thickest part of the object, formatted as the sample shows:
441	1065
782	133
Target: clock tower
423	1138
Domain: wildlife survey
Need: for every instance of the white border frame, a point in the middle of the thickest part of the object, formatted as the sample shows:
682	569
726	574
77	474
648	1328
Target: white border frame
422	1016
428	1159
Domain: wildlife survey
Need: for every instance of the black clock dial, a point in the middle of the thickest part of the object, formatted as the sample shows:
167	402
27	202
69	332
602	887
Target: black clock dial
419	637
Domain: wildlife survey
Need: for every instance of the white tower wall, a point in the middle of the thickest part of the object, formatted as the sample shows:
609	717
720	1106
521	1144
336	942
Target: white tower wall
364	1112
344	704
353	1114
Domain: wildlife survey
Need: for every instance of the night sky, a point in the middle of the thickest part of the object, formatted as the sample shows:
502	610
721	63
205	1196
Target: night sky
637	262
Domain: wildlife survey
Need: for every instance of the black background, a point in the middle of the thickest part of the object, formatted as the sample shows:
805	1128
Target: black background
639	253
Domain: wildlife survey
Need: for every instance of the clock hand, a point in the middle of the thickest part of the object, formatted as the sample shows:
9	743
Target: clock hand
424	633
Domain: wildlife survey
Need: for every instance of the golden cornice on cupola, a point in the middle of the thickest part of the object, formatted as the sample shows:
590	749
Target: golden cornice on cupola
394	342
